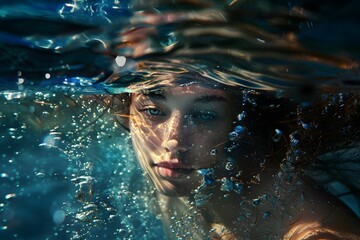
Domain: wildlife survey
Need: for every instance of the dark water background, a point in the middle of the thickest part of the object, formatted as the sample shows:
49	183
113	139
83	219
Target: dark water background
66	170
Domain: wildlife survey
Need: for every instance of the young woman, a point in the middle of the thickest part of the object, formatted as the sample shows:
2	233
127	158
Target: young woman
231	164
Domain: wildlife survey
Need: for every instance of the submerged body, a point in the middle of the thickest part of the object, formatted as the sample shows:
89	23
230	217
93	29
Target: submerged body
210	186
286	212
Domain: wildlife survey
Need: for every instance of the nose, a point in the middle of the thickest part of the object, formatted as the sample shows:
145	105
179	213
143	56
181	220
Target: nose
174	138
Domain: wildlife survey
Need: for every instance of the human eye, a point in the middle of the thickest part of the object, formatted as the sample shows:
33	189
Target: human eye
205	116
149	108
153	111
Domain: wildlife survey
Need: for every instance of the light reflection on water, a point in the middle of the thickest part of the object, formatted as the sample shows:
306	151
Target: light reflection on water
64	160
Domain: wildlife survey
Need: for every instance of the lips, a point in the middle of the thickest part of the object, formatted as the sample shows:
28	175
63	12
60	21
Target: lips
173	169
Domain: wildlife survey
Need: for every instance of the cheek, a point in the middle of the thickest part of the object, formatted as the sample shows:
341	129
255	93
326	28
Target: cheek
145	137
209	146
215	136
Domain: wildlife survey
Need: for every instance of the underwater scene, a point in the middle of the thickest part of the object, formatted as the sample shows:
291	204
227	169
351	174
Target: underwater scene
179	119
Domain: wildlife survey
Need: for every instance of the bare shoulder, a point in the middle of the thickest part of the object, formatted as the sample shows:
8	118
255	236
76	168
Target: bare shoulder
315	231
318	215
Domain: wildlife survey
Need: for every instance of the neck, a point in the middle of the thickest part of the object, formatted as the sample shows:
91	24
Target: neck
222	213
230	212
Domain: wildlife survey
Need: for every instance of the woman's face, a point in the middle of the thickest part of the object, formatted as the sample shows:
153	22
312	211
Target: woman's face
174	132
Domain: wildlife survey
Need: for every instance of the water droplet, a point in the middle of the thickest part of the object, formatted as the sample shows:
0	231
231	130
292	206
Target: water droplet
205	171
261	40
32	109
39	174
256	202
294	139
264	197
305	125
20	81
227	185
266	215
120	61
248	214
11	195
239	130
233	136
208	179
239	188
229	166
241	116
49	141
238	175
208	175
227	196
59	216
88	166
277	135
213	151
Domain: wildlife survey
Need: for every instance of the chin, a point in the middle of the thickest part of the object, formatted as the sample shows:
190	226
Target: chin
173	188
174	191
172	194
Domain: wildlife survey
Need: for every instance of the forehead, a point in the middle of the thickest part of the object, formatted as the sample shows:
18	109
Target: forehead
189	91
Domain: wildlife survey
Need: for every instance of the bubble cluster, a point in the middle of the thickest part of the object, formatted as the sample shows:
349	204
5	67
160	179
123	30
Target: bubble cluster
67	154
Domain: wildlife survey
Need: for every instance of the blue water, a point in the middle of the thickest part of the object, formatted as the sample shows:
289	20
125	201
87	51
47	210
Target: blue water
65	177
66	171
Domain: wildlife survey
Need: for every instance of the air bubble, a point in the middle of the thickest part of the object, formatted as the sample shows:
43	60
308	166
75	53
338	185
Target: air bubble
208	175
233	136
227	185
294	139
241	116
32	109
256	202
40	174
21	81
277	135
11	195
239	188
266	215
213	151
239	174
229	166
239	130
59	217
305	125
120	61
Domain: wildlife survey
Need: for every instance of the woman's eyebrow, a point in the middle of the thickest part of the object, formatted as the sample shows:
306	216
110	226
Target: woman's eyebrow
210	98
155	96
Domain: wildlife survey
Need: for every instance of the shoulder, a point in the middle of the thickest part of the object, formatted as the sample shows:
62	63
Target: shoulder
314	231
322	217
